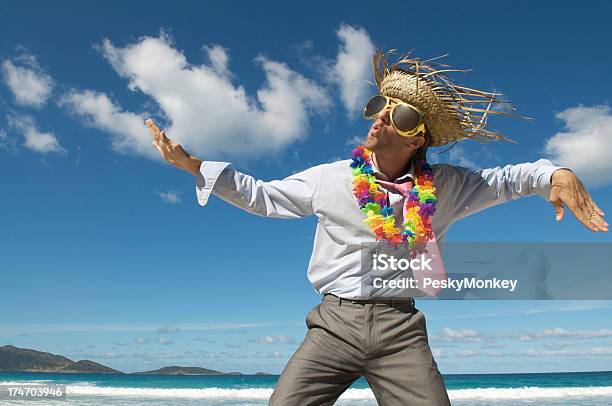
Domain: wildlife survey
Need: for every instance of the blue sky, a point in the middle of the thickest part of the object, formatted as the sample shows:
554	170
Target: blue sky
104	251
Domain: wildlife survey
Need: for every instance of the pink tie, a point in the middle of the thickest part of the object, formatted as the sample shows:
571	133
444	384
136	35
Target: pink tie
437	272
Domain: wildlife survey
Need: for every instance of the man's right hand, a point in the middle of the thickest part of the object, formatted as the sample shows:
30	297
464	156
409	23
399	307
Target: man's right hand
171	151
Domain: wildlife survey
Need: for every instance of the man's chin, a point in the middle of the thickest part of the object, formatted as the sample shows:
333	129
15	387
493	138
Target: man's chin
369	143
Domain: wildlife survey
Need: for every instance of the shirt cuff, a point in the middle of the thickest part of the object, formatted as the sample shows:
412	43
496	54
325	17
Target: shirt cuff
206	178
544	179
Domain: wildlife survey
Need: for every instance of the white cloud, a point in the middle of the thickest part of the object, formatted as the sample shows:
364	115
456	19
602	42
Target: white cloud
30	85
203	339
467	353
457	155
207	113
142	340
129	132
234	345
464	316
274	354
353	141
491	353
582	352
562	333
273	339
6	142
6	329
585	144
352	68
164	341
36	140
577	306
231	355
465	335
556	346
168	329
493	345
219	59
171	196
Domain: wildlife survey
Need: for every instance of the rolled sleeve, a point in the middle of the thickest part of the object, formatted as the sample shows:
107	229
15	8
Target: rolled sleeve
544	177
206	179
475	190
291	197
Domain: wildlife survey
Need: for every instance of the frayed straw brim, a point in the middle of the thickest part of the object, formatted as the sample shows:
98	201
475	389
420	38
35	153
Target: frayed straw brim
452	112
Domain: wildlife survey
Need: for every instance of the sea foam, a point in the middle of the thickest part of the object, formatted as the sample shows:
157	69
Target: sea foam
351	394
87	389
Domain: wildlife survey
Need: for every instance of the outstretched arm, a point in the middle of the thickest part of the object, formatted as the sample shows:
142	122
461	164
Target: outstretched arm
471	190
291	197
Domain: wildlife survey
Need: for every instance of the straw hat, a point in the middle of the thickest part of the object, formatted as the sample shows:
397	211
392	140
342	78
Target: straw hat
452	112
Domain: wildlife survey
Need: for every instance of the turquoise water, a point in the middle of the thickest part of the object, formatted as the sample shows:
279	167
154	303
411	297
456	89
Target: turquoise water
584	388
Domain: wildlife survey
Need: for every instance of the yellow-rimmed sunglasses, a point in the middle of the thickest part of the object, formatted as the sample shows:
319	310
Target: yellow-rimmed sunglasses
407	120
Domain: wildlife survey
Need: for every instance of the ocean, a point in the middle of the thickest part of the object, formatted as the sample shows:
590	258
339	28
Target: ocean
546	389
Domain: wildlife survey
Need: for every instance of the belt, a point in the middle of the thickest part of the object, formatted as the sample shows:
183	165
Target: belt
390	302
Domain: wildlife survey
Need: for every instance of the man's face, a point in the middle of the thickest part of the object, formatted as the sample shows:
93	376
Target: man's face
383	137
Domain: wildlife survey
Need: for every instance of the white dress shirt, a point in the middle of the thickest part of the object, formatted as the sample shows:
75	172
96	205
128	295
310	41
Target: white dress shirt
326	191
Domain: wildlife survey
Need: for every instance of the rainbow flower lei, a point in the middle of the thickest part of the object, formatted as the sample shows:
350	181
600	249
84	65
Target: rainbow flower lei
419	208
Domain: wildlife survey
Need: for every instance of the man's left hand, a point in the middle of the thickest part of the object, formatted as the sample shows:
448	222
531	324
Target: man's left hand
567	190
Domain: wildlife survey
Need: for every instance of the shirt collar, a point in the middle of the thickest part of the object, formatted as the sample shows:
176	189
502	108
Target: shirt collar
384	177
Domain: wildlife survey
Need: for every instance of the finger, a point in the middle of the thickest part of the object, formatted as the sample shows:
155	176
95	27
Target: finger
559	210
595	221
151	124
153	127
165	144
597	209
154	133
599	223
554	193
165	141
595	216
557	201
585	219
170	141
580	214
157	147
165	155
573	203
581	203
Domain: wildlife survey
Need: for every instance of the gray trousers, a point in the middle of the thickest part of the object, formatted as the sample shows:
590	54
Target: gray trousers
386	343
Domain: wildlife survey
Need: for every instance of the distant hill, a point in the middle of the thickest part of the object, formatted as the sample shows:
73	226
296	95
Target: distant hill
85	366
14	359
176	370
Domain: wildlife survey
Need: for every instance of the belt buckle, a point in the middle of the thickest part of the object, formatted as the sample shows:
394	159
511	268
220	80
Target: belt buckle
399	302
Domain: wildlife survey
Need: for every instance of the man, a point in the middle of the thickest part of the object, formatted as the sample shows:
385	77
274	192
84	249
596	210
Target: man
385	192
